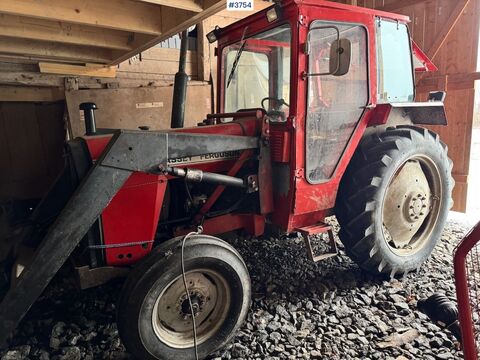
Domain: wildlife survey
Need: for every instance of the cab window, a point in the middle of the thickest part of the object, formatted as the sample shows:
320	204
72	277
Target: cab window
394	63
336	100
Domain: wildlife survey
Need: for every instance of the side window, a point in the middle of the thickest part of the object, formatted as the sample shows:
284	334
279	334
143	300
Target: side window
394	61
335	102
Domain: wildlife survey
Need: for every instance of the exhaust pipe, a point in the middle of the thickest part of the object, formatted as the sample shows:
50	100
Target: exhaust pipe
180	86
88	109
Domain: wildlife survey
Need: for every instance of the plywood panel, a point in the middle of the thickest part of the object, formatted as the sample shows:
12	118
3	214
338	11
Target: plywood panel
159	62
134	107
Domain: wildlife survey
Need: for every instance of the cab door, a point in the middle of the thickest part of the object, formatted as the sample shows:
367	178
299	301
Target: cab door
335	101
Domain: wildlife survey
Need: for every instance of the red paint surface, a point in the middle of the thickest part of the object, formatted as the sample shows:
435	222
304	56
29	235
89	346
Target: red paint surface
96	145
132	216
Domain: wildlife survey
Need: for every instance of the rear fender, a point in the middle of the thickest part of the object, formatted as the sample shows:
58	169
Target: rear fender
411	113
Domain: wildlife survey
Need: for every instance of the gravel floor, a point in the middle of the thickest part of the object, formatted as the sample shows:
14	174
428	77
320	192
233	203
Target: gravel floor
328	310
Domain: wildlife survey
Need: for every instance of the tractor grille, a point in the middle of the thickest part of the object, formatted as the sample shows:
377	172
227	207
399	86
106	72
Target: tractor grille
467	282
280	146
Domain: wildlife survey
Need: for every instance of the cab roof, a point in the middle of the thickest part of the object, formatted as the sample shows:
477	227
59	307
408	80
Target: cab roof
357	9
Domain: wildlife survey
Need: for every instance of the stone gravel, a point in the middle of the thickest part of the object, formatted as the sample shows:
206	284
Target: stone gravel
300	310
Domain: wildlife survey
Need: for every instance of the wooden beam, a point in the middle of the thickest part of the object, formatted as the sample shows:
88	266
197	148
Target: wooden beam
77	70
203	51
37	94
50	50
173	22
126	15
447	28
189	5
46	30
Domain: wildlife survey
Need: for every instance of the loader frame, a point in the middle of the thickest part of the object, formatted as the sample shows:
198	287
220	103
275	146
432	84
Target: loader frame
127	152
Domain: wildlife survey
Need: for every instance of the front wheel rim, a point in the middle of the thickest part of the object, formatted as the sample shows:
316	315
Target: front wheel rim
411	206
171	316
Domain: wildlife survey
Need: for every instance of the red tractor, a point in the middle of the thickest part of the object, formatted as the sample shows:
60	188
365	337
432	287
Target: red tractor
315	118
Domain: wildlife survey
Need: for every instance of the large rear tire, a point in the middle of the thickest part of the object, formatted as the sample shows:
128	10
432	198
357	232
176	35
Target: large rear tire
394	199
154	315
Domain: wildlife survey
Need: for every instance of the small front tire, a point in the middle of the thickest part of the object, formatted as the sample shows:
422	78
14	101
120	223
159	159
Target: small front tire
154	316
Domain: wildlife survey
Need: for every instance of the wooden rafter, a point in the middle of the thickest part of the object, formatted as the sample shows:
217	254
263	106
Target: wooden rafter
189	5
28	49
55	31
123	15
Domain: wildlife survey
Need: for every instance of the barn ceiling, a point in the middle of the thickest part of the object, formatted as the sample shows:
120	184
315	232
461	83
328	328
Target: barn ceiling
90	33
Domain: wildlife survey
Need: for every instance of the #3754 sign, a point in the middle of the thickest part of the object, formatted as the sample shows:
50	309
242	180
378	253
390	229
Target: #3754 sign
244	5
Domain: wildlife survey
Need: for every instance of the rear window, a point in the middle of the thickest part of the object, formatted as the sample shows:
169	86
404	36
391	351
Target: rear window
394	61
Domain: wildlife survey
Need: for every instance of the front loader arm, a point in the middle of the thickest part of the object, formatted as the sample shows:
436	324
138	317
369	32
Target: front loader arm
127	152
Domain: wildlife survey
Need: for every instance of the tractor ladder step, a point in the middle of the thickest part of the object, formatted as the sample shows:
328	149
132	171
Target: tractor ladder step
320	228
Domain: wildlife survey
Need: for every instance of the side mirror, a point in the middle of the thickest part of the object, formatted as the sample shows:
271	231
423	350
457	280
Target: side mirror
328	53
340	56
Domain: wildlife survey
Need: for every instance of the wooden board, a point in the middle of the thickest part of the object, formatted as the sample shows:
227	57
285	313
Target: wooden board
134	107
158	61
31	93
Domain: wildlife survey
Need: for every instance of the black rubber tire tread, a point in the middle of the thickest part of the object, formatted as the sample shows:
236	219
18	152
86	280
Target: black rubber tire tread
161	260
359	200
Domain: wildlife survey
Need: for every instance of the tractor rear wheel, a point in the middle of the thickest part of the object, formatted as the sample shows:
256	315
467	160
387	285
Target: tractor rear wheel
394	199
154	314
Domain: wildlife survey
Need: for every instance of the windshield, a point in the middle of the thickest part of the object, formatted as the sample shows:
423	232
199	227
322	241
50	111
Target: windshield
262	71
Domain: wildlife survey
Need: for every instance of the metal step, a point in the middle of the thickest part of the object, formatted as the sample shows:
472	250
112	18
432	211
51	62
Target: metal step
320	228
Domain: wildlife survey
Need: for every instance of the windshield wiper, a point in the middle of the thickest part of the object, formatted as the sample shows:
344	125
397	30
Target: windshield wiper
237	57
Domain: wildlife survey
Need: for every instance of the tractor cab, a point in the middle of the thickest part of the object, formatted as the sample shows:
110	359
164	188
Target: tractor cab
319	70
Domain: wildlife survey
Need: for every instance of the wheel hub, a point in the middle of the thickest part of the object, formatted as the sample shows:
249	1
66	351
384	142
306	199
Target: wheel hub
198	302
417	207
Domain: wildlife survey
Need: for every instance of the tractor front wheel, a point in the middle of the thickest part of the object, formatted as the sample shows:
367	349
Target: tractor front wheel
394	199
155	314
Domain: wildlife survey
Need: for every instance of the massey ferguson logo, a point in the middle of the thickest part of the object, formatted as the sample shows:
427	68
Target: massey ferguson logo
224	155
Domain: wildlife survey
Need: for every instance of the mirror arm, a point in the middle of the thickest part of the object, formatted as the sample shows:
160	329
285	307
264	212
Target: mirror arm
307	75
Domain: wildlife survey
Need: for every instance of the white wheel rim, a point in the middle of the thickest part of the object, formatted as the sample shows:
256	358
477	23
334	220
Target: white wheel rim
411	206
171	316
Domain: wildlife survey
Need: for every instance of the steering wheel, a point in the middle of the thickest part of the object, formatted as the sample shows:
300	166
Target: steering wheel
278	101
